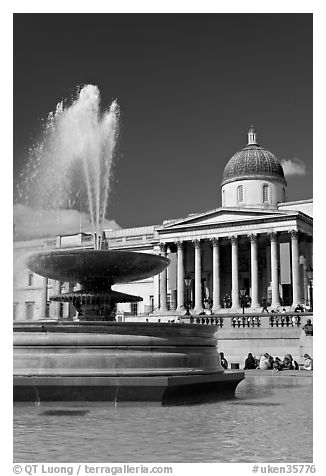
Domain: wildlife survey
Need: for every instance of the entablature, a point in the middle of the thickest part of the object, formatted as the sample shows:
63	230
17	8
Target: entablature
283	224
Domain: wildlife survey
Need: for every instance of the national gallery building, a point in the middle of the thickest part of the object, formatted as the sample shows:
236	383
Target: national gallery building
257	248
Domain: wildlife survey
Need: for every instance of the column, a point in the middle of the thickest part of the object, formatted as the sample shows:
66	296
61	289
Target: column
58	291
295	267
180	277
156	292
56	304
71	309
156	283
58	286
268	268
235	273
303	262
198	294
274	270
216	274
254	271
171	284
163	282
44	298
77	287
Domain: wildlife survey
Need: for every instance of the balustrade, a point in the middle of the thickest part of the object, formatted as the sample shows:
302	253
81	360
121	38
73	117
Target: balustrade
237	321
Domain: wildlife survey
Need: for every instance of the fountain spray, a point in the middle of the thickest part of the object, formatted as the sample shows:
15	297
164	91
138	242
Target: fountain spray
78	141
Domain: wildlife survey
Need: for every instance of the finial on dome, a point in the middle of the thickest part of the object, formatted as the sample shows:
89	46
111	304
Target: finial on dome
252	136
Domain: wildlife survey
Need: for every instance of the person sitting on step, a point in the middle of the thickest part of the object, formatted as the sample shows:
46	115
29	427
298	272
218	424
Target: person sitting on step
250	362
224	362
308	363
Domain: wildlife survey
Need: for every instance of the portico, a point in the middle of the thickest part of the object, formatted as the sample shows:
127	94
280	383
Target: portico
223	251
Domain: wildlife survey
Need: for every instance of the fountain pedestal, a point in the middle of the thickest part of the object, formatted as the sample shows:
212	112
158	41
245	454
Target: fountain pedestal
119	362
95	305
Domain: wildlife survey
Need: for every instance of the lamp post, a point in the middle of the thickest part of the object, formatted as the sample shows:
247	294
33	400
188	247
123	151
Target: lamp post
309	272
188	284
242	299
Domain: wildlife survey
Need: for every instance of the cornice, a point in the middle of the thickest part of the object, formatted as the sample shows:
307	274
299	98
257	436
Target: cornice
205	226
269	178
258	212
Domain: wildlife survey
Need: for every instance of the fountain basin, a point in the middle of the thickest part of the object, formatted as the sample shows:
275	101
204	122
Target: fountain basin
96	269
119	362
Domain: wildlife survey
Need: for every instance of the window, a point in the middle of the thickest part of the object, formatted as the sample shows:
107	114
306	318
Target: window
61	309
151	300
240	193
168	301
265	193
30	279
29	310
134	308
15	310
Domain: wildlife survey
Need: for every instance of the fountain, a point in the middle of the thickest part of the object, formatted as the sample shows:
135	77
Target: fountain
96	358
96	271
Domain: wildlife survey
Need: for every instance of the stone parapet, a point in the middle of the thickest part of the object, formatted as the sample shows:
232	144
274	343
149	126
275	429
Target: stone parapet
118	362
118	348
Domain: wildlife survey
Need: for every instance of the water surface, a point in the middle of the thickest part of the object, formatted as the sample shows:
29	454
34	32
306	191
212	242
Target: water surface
270	420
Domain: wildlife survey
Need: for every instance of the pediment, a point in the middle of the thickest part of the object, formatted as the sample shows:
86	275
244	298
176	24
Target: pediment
219	215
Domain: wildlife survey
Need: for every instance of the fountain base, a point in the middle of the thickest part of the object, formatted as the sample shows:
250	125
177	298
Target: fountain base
95	306
119	362
178	389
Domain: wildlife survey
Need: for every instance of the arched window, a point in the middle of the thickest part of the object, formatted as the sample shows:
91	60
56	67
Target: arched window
240	194
265	193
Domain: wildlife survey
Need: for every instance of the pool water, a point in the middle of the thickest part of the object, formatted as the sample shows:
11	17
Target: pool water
270	420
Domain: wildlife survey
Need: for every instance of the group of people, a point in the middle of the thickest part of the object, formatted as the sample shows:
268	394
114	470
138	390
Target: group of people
298	308
268	362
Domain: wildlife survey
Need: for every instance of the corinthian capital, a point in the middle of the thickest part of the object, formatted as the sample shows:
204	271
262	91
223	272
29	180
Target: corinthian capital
294	234
179	245
214	241
253	238
162	247
234	239
273	236
196	243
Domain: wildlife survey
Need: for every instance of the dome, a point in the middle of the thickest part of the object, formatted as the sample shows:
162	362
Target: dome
253	162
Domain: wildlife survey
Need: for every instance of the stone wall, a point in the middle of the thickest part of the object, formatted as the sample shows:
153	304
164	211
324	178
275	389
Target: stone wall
236	343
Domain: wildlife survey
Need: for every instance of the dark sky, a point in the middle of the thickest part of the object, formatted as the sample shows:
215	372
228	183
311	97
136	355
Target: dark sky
189	86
